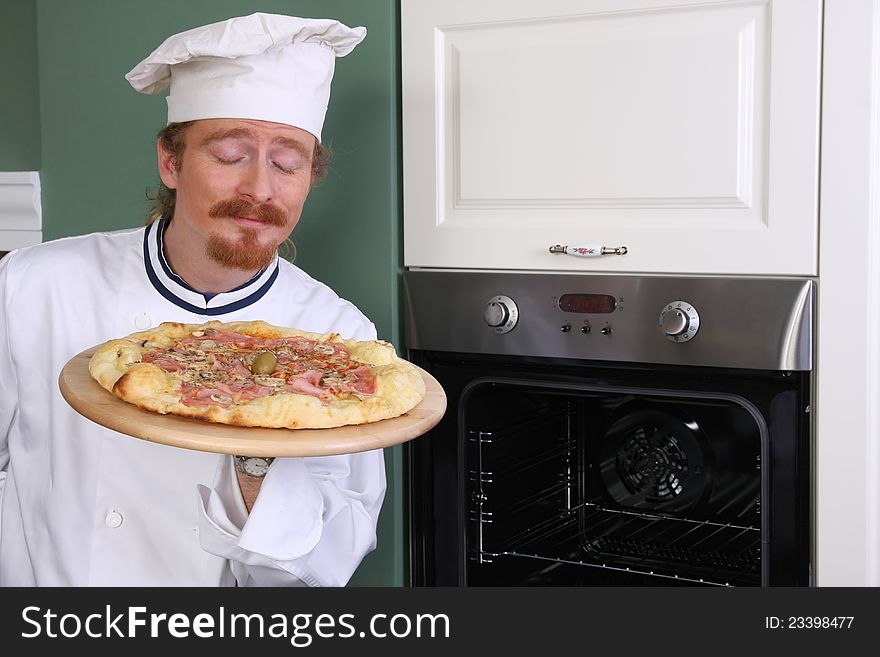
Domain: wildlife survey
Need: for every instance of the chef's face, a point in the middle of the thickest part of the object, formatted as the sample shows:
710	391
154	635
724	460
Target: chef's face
240	187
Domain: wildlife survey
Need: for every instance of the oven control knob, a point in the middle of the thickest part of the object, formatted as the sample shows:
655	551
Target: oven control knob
679	321
501	313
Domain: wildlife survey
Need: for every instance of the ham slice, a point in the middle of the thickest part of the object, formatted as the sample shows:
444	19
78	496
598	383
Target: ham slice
207	396
306	383
168	364
364	382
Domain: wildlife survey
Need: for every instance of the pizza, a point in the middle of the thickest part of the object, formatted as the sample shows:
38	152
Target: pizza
254	374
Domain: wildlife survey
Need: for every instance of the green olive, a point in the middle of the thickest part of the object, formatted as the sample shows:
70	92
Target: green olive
264	363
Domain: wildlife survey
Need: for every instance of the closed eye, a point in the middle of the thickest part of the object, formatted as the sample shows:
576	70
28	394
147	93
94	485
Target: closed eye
287	168
228	160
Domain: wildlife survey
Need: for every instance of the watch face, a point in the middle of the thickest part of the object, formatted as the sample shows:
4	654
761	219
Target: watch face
255	466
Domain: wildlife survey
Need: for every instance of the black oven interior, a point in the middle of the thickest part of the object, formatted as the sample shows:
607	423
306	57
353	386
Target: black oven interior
612	430
566	474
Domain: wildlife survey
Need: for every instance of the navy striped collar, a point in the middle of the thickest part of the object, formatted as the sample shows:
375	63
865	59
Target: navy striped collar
177	291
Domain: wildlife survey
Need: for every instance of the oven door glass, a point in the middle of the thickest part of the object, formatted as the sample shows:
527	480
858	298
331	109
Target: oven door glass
636	480
619	477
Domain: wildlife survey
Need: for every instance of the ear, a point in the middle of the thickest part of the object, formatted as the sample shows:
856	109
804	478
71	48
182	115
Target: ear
167	166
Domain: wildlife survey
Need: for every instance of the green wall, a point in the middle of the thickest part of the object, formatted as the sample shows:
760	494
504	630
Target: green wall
98	157
20	104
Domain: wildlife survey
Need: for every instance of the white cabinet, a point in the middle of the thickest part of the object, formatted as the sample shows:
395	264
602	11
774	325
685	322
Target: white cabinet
685	130
21	216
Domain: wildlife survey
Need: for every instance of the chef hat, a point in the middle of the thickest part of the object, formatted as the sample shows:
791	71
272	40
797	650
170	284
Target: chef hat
263	66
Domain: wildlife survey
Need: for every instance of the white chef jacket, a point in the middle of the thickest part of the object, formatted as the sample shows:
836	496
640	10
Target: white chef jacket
82	505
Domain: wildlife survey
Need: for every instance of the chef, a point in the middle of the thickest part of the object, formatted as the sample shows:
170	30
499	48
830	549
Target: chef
81	505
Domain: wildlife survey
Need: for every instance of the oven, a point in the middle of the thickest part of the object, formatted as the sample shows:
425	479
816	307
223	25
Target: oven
612	430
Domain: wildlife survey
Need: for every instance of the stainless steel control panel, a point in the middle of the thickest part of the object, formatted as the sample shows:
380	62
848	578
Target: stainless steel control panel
740	322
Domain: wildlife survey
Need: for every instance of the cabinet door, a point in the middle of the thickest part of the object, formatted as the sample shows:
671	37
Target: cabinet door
685	130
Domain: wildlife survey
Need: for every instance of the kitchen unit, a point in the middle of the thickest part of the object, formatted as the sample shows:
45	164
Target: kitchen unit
676	146
686	132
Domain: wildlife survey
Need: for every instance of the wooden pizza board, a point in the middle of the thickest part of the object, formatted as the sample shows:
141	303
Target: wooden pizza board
89	399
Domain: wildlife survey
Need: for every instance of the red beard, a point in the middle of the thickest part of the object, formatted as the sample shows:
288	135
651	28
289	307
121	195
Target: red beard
245	253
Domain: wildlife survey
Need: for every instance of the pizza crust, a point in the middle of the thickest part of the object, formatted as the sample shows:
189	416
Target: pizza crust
117	366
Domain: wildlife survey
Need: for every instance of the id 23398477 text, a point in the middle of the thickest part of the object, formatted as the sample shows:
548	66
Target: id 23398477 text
808	622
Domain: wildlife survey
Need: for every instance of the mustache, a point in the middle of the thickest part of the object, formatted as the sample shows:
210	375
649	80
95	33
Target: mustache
239	207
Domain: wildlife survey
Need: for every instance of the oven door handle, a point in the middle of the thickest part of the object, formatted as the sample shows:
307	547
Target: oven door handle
588	250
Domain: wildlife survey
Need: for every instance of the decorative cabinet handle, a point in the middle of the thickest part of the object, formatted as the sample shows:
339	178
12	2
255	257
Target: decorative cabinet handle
588	250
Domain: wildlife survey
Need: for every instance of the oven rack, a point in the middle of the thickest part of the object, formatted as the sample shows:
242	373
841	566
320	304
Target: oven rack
500	469
698	551
523	467
487	513
496	515
522	423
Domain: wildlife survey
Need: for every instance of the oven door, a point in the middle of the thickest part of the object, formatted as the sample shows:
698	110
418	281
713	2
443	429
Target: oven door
560	472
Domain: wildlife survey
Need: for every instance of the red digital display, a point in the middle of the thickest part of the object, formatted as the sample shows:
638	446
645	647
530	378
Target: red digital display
587	303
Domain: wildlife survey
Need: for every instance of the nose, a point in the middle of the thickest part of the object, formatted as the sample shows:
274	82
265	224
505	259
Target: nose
256	182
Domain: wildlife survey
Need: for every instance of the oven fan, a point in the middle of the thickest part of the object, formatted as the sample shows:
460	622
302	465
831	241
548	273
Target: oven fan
654	460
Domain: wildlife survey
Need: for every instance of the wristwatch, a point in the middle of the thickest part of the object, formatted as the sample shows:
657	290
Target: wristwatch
253	466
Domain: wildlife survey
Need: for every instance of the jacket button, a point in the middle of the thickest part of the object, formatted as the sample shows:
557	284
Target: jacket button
113	519
143	321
